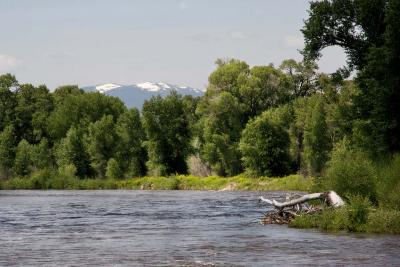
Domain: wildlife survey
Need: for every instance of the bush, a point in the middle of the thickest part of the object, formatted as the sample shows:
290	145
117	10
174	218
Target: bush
43	179
329	220
384	221
350	172
357	212
353	217
388	185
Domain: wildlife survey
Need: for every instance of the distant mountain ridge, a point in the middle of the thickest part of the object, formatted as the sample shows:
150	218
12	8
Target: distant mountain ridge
134	95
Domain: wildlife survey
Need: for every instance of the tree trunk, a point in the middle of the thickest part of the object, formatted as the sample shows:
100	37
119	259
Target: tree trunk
331	198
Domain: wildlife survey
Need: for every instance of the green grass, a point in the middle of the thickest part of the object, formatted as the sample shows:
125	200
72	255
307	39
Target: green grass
330	220
357	216
49	180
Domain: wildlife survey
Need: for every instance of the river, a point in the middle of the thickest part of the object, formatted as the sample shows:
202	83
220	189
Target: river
168	228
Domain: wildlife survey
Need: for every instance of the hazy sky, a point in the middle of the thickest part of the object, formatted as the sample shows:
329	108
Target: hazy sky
91	42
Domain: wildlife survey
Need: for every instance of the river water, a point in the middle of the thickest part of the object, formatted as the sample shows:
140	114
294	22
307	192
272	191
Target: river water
168	228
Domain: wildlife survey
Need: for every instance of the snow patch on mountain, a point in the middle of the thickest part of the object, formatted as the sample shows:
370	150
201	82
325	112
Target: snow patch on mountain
107	87
154	87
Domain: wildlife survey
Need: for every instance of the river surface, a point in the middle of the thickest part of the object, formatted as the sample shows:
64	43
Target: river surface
168	228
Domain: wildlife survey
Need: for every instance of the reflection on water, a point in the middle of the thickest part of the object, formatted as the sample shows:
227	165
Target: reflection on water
168	228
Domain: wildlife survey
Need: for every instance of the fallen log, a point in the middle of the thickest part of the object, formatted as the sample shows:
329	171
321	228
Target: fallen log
330	198
288	210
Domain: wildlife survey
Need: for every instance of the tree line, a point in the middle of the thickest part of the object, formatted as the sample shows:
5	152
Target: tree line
262	120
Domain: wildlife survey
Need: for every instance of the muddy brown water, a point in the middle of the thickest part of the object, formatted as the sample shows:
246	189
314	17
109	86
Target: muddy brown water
169	228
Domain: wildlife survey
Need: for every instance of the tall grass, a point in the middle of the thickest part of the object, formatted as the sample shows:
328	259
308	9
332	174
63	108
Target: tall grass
49	179
357	216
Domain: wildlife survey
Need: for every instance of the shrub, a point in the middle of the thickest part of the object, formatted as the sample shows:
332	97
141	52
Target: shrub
357	212
384	221
43	179
388	184
350	172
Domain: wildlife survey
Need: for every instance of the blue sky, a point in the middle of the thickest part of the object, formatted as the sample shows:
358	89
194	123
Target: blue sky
91	42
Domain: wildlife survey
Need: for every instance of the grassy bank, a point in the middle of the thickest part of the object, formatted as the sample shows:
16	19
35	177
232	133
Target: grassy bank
358	216
370	189
45	180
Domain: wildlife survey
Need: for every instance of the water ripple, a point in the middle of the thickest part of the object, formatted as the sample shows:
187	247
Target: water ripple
168	228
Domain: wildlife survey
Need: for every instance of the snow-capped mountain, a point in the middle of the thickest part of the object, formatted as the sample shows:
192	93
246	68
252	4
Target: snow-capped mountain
134	95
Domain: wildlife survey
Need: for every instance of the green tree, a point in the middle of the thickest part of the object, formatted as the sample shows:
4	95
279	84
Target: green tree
34	105
168	134
316	138
130	153
72	151
7	100
41	155
23	159
369	32
263	88
7	152
113	170
265	147
227	76
220	126
302	77
62	92
79	110
101	143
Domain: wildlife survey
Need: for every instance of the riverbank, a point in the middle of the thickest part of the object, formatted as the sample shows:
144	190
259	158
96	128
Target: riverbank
180	182
351	219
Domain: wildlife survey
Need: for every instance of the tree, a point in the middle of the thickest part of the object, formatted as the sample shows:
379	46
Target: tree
23	159
7	100
41	155
354	25
265	147
168	134
220	125
302	77
130	153
34	105
369	32
101	143
62	92
7	151
79	110
257	88
72	151
316	137
226	78
263	88
113	170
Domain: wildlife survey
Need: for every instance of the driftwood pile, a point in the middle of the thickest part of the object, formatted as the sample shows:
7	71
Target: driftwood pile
286	211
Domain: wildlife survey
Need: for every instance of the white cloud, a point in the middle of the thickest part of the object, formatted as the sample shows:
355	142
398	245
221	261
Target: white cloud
8	63
293	41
